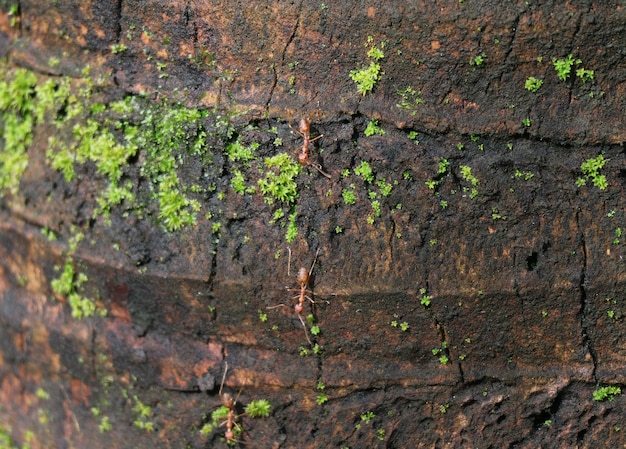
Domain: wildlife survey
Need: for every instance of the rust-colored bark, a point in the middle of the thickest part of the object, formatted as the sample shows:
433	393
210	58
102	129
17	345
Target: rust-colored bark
525	280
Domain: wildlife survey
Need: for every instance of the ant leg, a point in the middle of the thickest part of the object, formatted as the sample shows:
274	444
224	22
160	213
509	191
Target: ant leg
306	333
296	130
315	138
318	167
276	306
238	394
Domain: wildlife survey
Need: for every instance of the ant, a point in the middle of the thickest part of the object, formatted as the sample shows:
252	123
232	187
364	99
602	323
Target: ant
304	293
304	129
230	404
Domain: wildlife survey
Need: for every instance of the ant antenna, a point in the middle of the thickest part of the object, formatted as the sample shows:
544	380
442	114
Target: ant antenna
314	260
289	262
223	377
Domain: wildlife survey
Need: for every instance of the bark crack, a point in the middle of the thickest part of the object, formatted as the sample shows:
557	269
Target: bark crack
118	27
276	70
586	339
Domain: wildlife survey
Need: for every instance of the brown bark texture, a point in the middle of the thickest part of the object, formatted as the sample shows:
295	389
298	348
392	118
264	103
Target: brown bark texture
469	289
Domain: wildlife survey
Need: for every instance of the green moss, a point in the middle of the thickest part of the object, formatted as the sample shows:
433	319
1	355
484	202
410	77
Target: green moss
478	60
69	284
366	77
258	408
238	182
584	74
373	128
349	197
364	170
292	229
143	413
591	169
563	67
410	99
237	152
604	393
533	84
278	183
17	93
466	173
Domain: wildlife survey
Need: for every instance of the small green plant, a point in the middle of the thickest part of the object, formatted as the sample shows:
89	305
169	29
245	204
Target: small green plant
443	166
563	67
258	408
413	135
14	14
533	84
424	298
466	173
143	412
16	105
292	228
584	75
527	122
409	99
376	208
321	399
373	128
42	394
118	48
262	316
478	60
364	170
441	353
237	152
526	176
104	425
604	393
367	417
591	169
238	182
384	186
366	77
349	197
279	180
618	235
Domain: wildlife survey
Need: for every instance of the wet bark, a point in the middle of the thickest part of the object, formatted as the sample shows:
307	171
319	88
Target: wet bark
472	302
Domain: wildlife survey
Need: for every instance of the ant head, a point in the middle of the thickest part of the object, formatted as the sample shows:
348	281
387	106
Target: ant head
303	276
303	158
227	400
298	308
304	126
229	435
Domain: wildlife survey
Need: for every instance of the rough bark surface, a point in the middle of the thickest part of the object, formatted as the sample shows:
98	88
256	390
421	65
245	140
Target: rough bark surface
523	268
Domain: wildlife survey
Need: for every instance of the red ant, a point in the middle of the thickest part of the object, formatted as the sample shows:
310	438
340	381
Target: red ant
302	278
230	404
304	129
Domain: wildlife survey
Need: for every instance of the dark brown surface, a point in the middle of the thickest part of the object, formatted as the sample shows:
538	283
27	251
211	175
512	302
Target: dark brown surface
520	301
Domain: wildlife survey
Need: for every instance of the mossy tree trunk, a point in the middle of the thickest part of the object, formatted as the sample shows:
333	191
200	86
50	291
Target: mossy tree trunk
468	277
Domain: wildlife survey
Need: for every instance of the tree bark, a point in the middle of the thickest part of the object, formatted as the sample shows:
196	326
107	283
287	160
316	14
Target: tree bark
465	252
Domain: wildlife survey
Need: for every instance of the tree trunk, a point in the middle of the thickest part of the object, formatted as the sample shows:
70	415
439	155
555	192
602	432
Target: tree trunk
458	208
